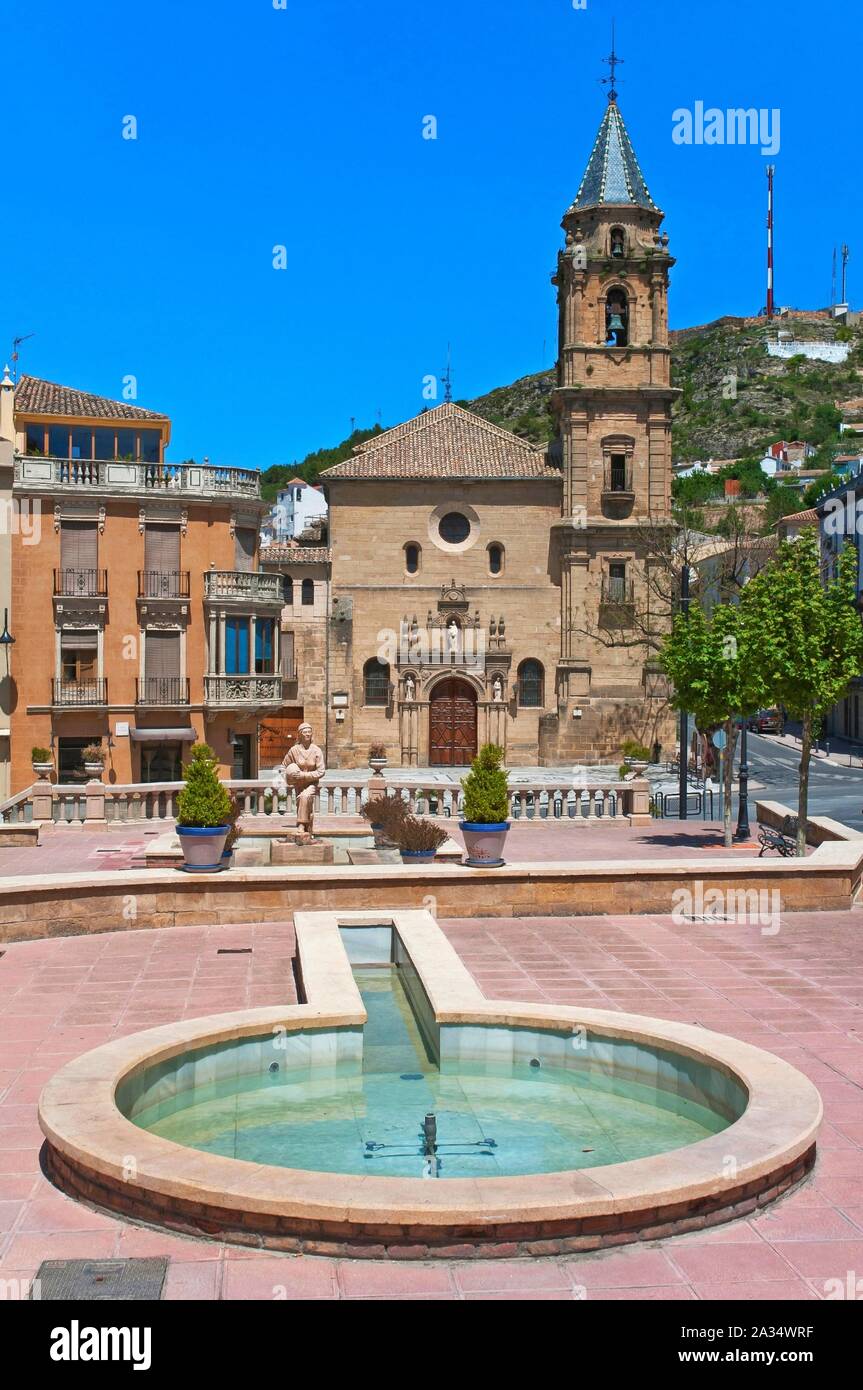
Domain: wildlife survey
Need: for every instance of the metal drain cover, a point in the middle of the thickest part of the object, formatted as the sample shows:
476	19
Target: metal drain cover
127	1281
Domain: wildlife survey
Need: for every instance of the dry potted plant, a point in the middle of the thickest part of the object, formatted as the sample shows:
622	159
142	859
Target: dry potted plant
377	758
385	814
486	808
233	831
204	809
418	839
93	758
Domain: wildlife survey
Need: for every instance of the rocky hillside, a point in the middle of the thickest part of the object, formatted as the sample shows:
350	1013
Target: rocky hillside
776	398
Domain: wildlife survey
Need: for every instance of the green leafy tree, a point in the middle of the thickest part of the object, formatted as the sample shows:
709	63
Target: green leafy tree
709	661
810	640
203	802
485	788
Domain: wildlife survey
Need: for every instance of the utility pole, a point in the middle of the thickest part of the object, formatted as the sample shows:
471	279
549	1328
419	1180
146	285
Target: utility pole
743	832
771	169
684	717
844	273
833	284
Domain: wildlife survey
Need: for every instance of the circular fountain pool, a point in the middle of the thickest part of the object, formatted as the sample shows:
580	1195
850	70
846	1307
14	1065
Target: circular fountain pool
509	1102
316	1127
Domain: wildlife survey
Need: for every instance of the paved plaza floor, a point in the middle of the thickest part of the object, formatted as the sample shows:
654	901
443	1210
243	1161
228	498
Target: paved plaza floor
798	993
77	849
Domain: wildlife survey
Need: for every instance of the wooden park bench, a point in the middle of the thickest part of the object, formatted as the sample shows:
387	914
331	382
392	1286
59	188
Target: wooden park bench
783	841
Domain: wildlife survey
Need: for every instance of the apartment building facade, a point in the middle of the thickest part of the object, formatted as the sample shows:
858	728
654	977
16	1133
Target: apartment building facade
142	620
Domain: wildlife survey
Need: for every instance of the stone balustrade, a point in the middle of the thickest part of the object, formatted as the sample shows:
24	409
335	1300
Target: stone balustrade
338	795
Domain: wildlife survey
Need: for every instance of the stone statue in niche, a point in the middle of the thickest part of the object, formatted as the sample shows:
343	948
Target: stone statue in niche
410	688
452	635
497	689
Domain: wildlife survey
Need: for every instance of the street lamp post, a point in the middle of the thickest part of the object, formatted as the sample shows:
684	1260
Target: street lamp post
684	718
743	832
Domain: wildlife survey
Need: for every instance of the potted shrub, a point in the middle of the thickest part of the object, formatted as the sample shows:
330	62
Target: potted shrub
635	755
486	808
377	758
93	757
204	810
418	840
43	763
233	832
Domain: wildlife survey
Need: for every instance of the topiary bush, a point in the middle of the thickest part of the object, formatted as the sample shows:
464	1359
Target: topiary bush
203	803
485	788
40	755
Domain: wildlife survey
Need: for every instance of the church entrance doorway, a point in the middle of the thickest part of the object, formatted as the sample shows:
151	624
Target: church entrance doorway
452	724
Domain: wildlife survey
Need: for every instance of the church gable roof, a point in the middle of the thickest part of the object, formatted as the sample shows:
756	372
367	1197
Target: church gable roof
613	175
446	442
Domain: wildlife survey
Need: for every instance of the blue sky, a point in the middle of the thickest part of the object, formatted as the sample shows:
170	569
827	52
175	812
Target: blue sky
302	127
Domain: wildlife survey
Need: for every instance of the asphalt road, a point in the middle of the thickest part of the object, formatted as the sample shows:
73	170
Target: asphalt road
833	791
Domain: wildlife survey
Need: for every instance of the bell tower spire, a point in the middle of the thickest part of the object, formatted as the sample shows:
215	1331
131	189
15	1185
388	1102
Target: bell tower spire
613	62
613	404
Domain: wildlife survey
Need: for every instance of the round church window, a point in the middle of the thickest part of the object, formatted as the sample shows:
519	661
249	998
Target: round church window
454	528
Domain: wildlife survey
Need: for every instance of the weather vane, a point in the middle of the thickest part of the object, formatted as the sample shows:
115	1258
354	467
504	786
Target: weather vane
613	62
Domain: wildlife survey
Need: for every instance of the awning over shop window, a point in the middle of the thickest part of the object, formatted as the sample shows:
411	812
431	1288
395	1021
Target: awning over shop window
183	735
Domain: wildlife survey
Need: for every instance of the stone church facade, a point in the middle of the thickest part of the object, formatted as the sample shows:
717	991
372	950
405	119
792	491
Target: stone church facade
484	589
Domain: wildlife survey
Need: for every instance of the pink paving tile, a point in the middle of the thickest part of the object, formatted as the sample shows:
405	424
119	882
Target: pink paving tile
141	1242
34	1247
9	1213
722	1264
277	1278
780	1291
663	1293
192	1281
624	1268
803	1223
57	1213
486	1276
370	1279
825	1259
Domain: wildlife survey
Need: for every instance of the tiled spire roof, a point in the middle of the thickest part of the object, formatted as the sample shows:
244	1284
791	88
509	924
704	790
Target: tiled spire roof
612	174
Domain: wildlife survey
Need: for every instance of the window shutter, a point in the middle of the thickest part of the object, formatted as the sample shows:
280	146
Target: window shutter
162	549
286	654
79	640
79	545
162	654
245	541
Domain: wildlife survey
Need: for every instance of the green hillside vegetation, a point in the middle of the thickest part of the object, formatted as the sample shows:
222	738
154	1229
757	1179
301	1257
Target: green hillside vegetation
776	398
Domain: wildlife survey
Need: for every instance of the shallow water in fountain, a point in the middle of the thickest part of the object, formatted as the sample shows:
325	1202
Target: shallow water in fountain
492	1120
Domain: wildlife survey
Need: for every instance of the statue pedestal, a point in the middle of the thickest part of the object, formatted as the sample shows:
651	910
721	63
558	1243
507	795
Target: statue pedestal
296	850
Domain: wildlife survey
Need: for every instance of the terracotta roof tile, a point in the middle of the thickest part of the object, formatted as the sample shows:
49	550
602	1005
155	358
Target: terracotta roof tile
33	396
447	442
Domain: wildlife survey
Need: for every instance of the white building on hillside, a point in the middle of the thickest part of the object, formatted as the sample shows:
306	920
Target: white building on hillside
296	507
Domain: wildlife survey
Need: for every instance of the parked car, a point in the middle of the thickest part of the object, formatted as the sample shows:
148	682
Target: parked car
766	721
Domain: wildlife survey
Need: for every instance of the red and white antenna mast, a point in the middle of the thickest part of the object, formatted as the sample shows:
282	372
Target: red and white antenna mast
771	169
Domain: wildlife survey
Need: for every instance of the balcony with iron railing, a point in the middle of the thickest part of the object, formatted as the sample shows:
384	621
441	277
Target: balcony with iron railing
227	691
38	472
617	589
170	691
617	603
71	582
79	694
617	479
163	584
243	586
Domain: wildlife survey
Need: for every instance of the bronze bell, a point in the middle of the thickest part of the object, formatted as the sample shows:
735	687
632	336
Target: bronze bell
615	324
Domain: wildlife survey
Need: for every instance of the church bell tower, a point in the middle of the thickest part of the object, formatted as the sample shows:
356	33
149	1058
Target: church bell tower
613	406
